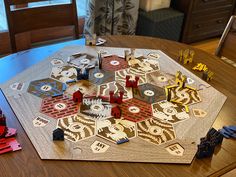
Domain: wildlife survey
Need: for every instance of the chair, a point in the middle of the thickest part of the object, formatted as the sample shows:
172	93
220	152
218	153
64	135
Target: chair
42	17
227	46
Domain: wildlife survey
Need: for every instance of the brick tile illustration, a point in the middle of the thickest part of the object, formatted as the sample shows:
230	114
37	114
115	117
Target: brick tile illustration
135	110
155	131
58	107
116	130
64	73
149	93
113	63
46	87
76	127
170	112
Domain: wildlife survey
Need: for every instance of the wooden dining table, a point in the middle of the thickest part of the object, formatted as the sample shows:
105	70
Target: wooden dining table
27	162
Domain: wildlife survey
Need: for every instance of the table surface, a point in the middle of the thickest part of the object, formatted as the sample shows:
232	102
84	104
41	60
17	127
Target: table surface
27	162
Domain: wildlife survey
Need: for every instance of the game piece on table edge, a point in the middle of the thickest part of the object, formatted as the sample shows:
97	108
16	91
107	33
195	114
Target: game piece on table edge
58	135
78	96
9	145
90	40
131	83
129	55
115	98
207	75
116	112
228	131
200	67
186	56
207	145
7	142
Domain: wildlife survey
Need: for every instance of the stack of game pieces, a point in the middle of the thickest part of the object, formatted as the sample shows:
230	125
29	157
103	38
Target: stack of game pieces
229	131
207	145
7	142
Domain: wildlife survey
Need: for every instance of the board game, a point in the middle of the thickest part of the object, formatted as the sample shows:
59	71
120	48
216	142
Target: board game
131	107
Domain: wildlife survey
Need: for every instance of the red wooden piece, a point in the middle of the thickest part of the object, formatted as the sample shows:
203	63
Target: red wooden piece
8	145
2	120
77	96
3	131
116	112
116	99
131	83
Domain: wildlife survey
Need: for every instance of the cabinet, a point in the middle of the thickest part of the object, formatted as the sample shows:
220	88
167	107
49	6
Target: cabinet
204	18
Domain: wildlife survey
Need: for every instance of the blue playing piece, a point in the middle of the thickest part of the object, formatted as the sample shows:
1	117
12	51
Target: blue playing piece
225	133
229	131
231	127
122	141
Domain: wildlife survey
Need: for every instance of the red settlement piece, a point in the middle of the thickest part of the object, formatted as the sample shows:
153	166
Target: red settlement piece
131	83
77	96
116	99
116	112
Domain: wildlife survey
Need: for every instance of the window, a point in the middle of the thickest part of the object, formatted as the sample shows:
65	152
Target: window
81	9
3	21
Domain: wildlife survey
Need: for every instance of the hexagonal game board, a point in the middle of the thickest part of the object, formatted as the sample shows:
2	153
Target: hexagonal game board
115	119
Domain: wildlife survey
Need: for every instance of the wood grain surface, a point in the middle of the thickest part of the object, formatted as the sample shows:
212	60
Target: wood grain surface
27	162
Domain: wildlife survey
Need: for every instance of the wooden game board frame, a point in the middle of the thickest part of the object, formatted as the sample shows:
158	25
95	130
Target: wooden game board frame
188	132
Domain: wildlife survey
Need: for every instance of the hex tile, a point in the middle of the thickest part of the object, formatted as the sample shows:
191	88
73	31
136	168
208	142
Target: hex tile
170	112
58	107
120	76
64	73
116	130
155	131
185	96
160	79
96	108
113	63
83	60
100	76
76	127
135	110
104	90
149	93
85	86
46	87
143	64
